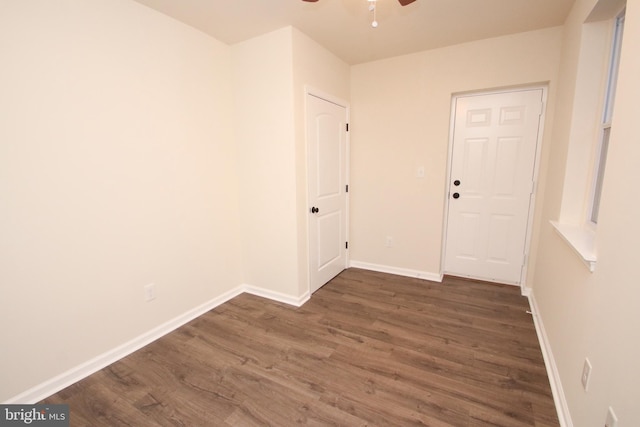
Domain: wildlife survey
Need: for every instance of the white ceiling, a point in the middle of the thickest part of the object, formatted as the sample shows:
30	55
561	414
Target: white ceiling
344	26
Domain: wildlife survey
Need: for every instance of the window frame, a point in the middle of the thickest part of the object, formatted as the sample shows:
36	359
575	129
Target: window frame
605	125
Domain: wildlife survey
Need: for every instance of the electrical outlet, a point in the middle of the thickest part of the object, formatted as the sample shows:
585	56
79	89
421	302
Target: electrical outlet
388	242
612	420
420	172
586	374
150	292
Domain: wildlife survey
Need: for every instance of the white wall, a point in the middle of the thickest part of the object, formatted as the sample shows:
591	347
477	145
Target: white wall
596	315
401	114
117	169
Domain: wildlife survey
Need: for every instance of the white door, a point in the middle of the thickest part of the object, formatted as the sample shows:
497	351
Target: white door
491	184
327	193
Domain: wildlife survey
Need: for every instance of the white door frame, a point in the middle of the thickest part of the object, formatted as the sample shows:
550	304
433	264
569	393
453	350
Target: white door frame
536	170
309	90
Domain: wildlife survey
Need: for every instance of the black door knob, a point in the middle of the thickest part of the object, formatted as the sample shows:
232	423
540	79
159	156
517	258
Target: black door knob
456	195
315	210
456	182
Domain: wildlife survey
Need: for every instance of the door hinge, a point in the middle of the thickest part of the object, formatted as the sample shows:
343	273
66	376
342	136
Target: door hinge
346	245
347	188
347	127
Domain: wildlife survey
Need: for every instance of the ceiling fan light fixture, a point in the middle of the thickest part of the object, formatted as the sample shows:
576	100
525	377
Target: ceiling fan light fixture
372	8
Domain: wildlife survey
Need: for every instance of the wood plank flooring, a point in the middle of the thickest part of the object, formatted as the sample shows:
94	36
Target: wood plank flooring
368	349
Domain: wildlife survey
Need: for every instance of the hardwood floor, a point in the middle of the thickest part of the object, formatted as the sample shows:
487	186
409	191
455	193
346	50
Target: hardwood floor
367	349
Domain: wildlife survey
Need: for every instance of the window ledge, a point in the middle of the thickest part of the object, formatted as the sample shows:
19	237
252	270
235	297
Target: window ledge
581	239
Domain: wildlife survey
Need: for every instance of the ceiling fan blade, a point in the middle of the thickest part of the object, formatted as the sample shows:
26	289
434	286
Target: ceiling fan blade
406	2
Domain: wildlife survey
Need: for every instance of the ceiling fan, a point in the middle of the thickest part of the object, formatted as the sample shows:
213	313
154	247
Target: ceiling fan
402	2
372	8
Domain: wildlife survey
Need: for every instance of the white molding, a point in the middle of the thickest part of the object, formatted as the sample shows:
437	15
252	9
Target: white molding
310	90
559	398
73	375
424	275
582	241
277	296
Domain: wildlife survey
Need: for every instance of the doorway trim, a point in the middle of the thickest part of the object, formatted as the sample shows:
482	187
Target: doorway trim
536	170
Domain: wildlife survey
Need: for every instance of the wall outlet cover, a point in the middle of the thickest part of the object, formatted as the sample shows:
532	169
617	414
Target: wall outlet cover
150	292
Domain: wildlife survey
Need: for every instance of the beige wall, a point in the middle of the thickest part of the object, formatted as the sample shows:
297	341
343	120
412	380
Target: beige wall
117	169
315	68
138	156
271	73
596	315
136	150
400	113
264	133
589	84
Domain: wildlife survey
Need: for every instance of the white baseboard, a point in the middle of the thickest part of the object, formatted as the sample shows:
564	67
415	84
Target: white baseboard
277	296
73	375
552	369
425	275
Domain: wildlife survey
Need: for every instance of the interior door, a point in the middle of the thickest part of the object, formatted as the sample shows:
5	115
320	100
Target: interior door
327	193
491	184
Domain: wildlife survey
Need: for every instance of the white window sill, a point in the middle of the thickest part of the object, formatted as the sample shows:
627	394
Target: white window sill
582	240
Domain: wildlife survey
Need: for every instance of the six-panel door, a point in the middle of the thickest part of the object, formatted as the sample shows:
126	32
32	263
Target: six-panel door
491	182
